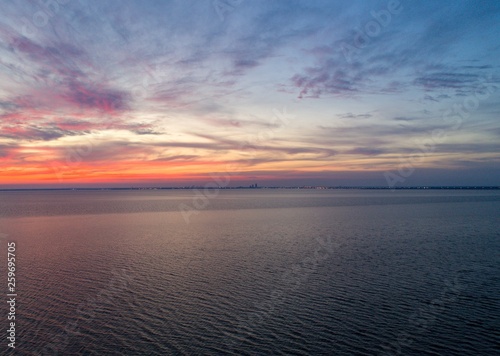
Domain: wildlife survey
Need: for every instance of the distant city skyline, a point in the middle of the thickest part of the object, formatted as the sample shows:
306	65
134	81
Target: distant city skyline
233	93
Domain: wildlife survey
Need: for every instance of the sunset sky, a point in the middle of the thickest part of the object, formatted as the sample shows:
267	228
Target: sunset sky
175	93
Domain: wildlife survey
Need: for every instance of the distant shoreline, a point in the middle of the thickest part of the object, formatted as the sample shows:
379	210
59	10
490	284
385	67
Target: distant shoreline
264	188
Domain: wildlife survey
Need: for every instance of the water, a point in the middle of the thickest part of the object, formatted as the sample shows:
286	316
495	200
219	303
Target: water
255	272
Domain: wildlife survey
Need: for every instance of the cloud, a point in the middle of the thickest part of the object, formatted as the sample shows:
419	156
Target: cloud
174	94
403	55
21	126
246	147
6	150
375	130
58	58
245	64
105	100
354	116
97	151
177	158
443	80
468	148
238	123
365	151
34	133
325	80
405	118
56	71
8	105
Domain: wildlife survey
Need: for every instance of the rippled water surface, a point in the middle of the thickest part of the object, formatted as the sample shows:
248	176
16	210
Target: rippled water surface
255	272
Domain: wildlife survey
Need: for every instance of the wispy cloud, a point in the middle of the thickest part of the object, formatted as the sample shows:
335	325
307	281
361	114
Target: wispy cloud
167	84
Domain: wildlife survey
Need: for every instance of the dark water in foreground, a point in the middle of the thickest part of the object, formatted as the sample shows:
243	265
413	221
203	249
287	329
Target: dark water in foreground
254	272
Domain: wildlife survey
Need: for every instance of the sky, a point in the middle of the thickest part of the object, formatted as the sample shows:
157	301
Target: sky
236	92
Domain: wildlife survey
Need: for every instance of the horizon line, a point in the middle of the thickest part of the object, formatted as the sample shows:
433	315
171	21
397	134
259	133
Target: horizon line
304	187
